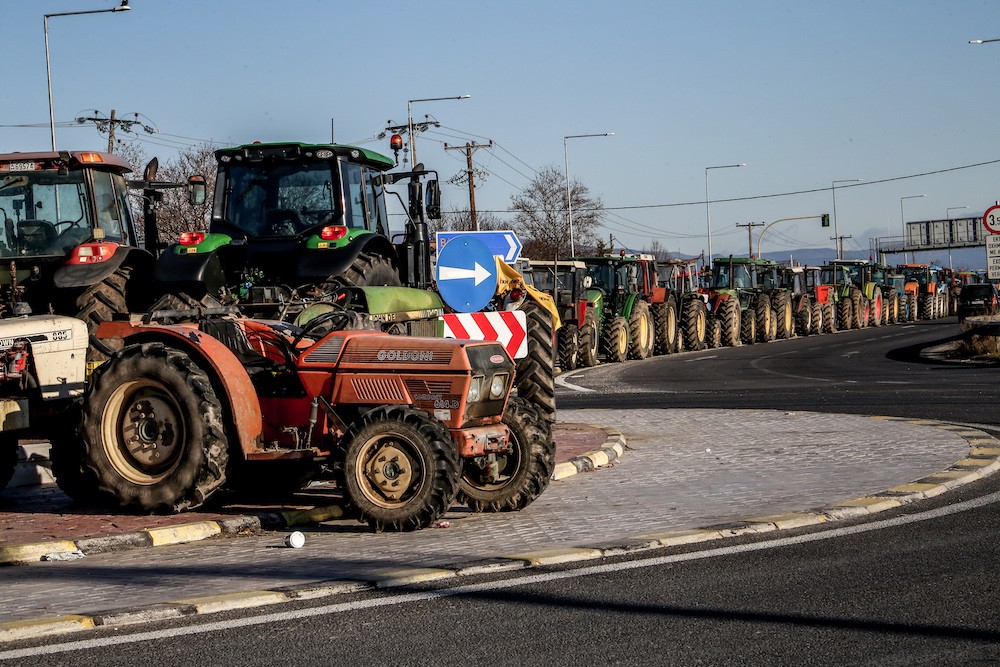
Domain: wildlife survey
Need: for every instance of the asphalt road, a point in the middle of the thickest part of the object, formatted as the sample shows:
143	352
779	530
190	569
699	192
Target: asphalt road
914	586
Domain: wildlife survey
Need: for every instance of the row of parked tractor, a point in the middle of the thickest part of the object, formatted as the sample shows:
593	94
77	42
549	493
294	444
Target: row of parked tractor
631	306
288	339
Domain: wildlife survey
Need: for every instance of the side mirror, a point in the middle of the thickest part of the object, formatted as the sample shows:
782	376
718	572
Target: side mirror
587	282
196	190
433	203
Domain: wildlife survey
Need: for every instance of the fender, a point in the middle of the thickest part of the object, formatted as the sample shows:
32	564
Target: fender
320	264
237	393
196	274
79	272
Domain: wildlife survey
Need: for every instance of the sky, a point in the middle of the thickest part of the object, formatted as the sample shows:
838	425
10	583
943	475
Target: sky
805	94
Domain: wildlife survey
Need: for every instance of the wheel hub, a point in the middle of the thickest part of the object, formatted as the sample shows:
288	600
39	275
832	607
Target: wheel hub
390	471
150	437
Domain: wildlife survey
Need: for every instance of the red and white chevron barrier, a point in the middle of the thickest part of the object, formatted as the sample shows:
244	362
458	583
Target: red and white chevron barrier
507	327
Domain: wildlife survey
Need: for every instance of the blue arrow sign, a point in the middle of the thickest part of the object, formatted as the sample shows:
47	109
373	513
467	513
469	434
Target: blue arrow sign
466	274
503	244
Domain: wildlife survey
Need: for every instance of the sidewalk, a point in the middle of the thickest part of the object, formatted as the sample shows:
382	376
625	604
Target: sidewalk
38	519
687	476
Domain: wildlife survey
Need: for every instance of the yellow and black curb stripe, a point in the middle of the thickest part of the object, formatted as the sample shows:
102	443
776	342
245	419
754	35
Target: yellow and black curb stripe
613	449
983	459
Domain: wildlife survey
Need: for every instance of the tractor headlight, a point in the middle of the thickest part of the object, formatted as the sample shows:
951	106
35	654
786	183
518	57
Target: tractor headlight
498	386
475	389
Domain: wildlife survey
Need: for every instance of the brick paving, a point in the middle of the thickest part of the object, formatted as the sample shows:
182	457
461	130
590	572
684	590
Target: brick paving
682	469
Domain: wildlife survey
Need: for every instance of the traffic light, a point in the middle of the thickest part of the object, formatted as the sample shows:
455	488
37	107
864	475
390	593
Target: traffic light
825	219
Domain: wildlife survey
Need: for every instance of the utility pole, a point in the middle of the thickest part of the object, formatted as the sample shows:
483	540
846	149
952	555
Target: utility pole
110	124
750	226
470	174
840	244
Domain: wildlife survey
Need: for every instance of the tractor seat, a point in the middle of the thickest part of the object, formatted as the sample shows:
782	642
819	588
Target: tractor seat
36	235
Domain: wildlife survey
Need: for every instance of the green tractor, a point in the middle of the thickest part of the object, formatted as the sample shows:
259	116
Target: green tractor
680	279
858	298
736	285
580	310
628	329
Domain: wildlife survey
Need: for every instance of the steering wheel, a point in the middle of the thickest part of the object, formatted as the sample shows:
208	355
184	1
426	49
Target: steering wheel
316	322
70	224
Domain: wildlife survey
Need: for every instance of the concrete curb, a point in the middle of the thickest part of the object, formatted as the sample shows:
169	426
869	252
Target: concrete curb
983	459
610	452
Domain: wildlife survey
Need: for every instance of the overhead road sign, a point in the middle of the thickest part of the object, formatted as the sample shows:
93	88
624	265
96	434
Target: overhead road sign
504	244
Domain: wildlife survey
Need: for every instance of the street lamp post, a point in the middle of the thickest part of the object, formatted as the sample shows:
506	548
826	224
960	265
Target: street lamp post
48	68
708	210
836	232
902	221
409	121
569	198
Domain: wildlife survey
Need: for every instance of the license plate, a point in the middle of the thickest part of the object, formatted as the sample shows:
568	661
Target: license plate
976	302
22	166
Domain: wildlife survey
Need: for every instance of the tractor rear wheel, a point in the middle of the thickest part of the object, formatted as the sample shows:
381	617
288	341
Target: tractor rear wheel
748	327
857	308
614	340
713	332
666	326
153	431
366	270
877	306
694	323
927	307
911	308
401	470
762	313
845	314
818	323
100	303
590	340
569	347
509	481
640	331
729	317
804	317
829	318
781	304
8	457
535	375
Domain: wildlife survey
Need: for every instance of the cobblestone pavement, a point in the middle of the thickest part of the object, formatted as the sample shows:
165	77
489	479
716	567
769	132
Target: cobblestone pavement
682	469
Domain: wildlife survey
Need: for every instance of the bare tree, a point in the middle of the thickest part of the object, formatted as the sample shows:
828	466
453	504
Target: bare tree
541	219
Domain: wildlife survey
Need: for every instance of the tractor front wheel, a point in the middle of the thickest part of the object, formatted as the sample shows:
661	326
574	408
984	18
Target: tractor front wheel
713	332
640	331
153	432
845	314
590	340
569	347
729	316
694	324
367	270
100	303
401	470
509	481
614	340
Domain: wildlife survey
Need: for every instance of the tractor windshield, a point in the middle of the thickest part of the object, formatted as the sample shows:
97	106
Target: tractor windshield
916	274
45	213
835	275
608	276
269	199
732	276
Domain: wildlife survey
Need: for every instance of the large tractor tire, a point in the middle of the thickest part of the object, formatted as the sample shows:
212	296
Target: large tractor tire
521	473
665	322
401	470
535	376
614	340
67	456
911	307
729	317
694	324
926	307
876	308
590	340
845	314
640	331
830	316
781	304
748	327
153	431
713	332
8	457
857	309
818	323
100	303
367	270
762	313
568	337
804	317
